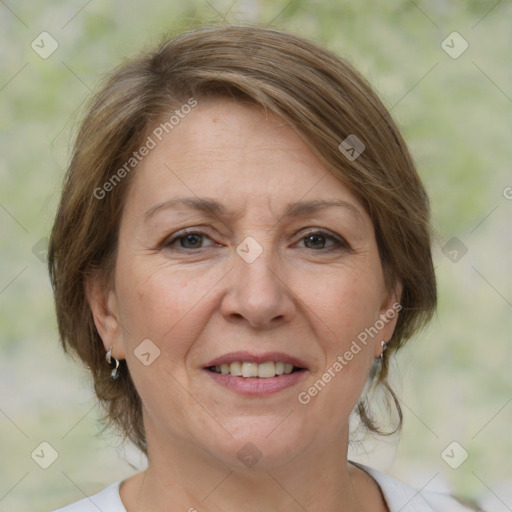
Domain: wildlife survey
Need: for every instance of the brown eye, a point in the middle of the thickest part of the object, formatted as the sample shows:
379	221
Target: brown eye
315	241
323	241
190	240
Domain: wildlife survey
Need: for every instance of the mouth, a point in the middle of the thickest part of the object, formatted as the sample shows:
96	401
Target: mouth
257	375
247	369
262	366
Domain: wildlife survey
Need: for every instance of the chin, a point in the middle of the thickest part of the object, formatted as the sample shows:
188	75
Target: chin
261	442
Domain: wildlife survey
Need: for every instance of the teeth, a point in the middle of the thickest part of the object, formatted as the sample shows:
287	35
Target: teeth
263	370
266	370
249	369
235	368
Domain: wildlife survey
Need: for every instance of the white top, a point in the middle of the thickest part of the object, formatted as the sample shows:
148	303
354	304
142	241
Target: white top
399	498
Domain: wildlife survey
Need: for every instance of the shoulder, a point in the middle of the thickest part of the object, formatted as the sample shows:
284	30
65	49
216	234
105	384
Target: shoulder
107	499
401	497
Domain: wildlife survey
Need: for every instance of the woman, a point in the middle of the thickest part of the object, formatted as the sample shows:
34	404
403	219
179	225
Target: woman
241	244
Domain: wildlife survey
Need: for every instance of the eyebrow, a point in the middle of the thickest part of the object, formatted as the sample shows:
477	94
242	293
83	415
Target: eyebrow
216	209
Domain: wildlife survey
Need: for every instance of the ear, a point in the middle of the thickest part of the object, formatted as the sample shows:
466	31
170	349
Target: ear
388	317
103	304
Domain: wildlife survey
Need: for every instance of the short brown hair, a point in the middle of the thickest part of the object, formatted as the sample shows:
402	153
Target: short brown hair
323	98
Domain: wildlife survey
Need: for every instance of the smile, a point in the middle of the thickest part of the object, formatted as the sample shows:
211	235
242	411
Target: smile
248	369
251	383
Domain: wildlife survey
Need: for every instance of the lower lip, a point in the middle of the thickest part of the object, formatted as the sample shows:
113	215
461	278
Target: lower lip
256	386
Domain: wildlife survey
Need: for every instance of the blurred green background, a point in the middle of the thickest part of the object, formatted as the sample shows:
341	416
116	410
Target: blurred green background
454	380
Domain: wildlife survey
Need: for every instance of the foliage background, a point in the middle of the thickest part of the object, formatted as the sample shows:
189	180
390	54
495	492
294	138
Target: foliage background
454	380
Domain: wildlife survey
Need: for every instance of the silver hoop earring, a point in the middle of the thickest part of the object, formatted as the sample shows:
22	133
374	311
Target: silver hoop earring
112	361
384	345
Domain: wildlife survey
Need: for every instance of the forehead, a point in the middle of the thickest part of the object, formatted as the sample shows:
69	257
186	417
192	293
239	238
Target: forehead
238	153
222	131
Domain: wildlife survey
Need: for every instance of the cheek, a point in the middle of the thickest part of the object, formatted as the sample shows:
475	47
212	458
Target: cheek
344	304
342	314
159	303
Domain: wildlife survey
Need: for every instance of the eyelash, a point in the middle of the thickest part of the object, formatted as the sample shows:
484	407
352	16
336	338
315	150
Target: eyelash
339	243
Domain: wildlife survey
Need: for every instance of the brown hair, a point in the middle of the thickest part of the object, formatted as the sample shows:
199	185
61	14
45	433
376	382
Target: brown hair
323	98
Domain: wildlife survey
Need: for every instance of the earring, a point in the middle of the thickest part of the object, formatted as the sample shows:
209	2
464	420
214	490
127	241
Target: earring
384	345
113	362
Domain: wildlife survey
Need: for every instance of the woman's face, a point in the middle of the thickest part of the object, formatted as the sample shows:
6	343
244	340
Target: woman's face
236	244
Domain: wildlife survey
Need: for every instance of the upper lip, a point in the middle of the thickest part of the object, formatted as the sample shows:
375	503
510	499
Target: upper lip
248	357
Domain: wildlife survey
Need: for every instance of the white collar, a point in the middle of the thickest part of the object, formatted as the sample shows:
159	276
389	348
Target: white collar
398	496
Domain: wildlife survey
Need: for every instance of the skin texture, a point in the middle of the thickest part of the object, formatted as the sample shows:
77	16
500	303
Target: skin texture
309	298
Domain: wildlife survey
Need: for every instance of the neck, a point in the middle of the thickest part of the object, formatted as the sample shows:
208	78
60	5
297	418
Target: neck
190	479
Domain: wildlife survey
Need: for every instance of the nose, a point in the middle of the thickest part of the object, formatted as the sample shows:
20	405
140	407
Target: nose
258	293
